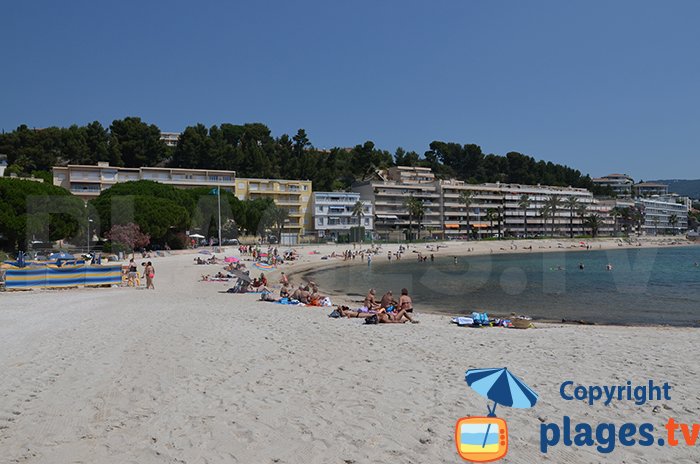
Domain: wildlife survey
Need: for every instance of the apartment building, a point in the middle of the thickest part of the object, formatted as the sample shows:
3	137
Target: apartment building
663	216
293	195
649	189
499	210
87	181
334	213
170	138
621	184
389	196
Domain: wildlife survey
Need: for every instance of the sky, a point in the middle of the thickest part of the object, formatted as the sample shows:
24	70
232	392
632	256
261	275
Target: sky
597	85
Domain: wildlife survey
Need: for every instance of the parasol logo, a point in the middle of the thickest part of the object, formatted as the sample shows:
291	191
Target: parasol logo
485	438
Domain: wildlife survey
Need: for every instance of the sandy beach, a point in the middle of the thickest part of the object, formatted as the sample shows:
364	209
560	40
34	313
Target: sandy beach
188	374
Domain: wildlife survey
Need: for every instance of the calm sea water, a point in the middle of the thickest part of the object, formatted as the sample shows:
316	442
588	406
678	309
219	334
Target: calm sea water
645	286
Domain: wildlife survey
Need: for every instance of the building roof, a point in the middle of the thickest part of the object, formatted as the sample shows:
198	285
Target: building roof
650	184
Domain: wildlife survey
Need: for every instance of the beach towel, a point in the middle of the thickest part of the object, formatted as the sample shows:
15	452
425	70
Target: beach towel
463	321
481	318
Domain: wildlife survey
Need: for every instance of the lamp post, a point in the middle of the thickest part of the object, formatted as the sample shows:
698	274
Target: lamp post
88	234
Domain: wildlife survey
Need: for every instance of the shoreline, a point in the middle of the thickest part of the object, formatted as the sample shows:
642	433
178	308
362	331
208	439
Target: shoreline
304	269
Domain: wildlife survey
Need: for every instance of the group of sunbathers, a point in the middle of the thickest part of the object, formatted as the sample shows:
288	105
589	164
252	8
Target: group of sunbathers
387	310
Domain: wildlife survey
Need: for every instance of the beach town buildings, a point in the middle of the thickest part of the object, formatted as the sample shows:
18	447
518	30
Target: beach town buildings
336	213
87	181
515	210
649	189
662	215
494	209
620	184
292	195
389	194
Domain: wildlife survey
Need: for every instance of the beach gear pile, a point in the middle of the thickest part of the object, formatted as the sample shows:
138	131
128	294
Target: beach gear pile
478	319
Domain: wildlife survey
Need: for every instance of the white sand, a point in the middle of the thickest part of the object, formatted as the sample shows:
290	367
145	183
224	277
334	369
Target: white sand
187	374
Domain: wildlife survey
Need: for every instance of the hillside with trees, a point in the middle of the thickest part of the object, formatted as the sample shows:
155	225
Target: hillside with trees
253	151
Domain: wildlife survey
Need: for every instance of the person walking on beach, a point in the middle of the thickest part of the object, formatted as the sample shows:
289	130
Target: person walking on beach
133	274
149	273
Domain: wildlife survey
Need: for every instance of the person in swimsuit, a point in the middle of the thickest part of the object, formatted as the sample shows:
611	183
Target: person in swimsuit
370	303
405	301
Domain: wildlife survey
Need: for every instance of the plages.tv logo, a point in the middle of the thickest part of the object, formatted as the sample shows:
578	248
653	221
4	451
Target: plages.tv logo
485	438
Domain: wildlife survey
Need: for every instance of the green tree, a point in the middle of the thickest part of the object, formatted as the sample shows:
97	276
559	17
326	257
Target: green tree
549	209
358	211
274	218
466	197
616	214
673	222
581	212
138	143
593	222
491	215
415	211
524	204
29	207
572	204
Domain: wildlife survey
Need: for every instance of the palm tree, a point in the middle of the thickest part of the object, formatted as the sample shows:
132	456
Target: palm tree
524	204
638	218
358	211
581	212
615	213
554	202
415	211
593	222
467	198
571	204
418	213
673	221
490	216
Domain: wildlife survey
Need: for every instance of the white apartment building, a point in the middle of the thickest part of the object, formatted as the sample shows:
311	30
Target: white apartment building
87	181
499	209
333	213
389	197
621	184
170	138
663	215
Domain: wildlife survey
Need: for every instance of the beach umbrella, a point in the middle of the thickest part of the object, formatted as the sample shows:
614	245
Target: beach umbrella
231	259
196	236
241	275
501	387
60	255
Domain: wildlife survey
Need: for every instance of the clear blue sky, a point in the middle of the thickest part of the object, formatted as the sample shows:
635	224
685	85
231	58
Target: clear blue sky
603	86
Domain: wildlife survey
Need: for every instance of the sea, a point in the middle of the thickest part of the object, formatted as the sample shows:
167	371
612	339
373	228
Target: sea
634	286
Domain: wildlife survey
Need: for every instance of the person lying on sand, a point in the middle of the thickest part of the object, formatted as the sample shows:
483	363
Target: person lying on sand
347	312
384	317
